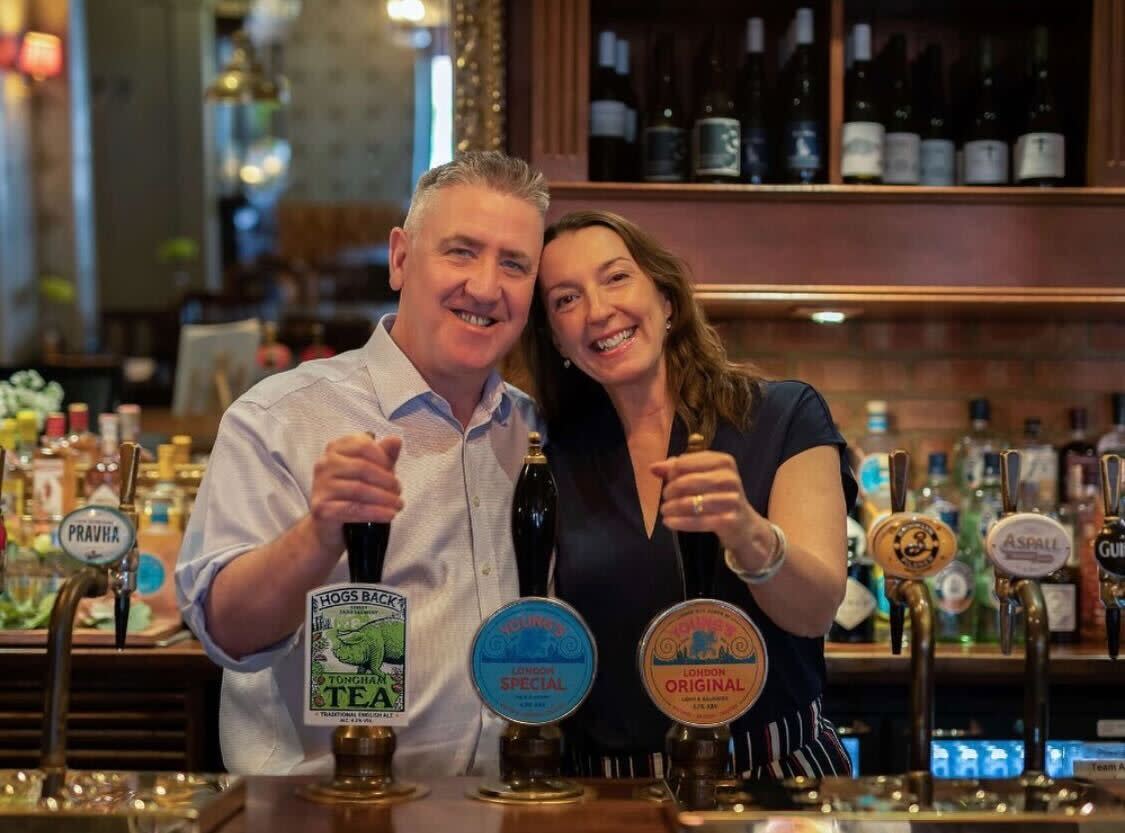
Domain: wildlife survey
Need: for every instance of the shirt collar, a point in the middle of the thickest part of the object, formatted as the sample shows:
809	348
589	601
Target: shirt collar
397	382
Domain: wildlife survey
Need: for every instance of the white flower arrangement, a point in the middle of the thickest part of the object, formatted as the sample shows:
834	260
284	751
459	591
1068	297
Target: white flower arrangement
26	390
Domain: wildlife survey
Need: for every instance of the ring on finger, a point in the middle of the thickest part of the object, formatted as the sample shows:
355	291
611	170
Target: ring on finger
697	504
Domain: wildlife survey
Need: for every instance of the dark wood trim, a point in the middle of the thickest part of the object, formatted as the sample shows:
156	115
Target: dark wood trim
1105	161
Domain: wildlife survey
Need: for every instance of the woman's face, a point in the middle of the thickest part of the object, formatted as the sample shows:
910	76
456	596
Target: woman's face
606	315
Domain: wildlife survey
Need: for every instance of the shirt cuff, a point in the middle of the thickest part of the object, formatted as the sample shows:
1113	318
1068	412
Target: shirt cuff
193	582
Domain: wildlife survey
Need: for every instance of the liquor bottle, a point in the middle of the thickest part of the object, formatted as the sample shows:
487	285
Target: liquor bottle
27	443
861	158
936	497
164	504
1040	157
664	142
902	158
1039	462
629	156
938	156
715	139
979	512
1062	594
1079	450
1079	514
607	114
1113	441
753	107
534	518
968	462
855	618
182	443
11	479
986	145
802	138
80	439
52	472
954	588
875	466
102	484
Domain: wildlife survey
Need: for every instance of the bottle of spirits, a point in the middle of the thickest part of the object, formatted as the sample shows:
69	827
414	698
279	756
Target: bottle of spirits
855	618
978	513
103	478
82	442
716	136
937	498
664	142
968	451
629	157
1079	514
875	466
954	588
1113	441
159	537
165	503
1039	466
11	487
803	138
1078	450
607	114
52	472
903	164
861	161
986	143
27	443
938	156
753	107
1040	157
1061	593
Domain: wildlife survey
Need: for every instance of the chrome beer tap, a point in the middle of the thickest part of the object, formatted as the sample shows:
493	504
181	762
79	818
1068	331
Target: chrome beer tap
1023	548
910	547
1109	550
108	567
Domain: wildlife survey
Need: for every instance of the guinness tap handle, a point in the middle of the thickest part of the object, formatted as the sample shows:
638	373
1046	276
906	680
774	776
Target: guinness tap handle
1010	480
367	550
900	472
534	518
1111	484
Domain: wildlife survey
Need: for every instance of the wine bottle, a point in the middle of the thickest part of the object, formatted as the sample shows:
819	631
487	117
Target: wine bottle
625	82
903	143
937	150
986	147
803	135
862	141
1040	157
607	114
753	107
715	141
664	141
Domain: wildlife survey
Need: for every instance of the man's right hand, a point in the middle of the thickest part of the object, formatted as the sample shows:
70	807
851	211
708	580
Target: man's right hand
354	480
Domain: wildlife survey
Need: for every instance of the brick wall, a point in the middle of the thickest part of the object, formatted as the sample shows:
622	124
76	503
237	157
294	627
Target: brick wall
928	370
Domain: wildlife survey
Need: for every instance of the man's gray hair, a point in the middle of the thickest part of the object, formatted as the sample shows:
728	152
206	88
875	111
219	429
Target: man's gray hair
490	168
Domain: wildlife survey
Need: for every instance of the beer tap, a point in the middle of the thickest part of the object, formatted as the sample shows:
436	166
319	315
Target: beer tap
911	547
1023	548
109	560
1109	550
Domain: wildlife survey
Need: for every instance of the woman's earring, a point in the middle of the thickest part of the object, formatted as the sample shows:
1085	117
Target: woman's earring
668	324
566	363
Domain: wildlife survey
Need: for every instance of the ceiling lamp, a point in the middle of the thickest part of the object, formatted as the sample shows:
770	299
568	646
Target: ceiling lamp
243	81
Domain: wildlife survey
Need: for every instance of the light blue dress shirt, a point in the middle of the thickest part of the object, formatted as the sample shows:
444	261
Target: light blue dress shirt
450	548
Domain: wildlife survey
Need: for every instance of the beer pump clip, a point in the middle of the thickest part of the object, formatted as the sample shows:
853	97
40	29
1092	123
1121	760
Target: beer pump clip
1109	550
533	661
1023	548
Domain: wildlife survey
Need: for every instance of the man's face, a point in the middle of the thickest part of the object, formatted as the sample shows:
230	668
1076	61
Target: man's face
467	275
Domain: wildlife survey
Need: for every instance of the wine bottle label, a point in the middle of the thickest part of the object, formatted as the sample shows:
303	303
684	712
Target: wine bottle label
863	149
715	147
630	125
802	146
904	159
1040	155
355	656
47	486
664	149
938	162
533	661
607	118
953	588
859	603
755	155
986	162
1062	606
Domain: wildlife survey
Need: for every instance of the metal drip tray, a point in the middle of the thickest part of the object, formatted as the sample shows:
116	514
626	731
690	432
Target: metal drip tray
883	804
130	802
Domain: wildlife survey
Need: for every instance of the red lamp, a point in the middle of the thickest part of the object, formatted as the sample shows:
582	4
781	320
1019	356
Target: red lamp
40	56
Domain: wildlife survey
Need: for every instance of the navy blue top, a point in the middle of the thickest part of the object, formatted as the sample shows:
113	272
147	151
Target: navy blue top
618	578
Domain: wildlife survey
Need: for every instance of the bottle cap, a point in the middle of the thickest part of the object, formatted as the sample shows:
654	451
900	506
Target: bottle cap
622	57
861	36
607	51
56	424
755	35
980	409
876	406
991	463
166	461
938	463
79	415
804	26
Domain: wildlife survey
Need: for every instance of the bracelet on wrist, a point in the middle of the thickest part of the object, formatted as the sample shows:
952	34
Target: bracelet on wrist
772	565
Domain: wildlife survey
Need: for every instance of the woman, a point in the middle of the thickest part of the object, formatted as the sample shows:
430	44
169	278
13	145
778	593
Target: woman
625	367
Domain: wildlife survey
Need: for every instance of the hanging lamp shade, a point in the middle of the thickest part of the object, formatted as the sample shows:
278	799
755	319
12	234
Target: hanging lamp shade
242	80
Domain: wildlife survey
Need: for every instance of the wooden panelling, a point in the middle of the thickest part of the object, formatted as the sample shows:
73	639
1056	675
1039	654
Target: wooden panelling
1106	160
560	82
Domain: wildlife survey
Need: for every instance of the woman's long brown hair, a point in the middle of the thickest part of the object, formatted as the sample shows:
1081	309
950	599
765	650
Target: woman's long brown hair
704	384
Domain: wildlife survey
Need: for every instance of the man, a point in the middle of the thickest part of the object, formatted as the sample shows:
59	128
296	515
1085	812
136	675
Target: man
295	459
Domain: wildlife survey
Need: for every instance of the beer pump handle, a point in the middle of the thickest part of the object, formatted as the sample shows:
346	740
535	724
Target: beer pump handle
534	518
697	552
898	622
123	574
1111	484
900	472
1010	480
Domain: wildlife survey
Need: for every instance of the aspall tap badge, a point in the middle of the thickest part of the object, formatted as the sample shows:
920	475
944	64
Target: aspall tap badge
95	535
908	545
703	662
355	656
533	661
1027	545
